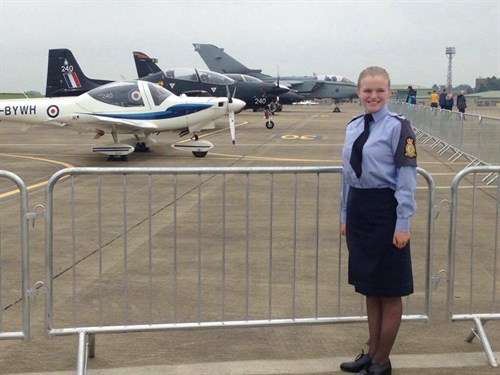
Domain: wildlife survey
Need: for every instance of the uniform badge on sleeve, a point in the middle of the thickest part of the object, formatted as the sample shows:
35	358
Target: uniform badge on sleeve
410	151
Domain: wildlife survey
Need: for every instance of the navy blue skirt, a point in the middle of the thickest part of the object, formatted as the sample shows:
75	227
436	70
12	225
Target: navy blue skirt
376	267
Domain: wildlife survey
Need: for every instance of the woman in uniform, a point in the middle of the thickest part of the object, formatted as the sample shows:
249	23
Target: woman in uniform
378	188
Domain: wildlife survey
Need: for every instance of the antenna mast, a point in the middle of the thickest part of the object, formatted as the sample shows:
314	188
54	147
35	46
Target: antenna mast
450	52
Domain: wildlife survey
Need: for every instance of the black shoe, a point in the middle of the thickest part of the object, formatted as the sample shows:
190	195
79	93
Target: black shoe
360	362
375	369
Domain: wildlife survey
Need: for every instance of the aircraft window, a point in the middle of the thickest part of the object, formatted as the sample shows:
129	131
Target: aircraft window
122	94
186	74
235	77
344	79
248	78
207	76
158	93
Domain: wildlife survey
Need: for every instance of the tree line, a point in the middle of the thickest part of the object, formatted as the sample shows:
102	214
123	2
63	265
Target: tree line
491	84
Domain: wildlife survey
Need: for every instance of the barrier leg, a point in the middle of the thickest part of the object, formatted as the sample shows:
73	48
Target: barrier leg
481	334
91	345
81	360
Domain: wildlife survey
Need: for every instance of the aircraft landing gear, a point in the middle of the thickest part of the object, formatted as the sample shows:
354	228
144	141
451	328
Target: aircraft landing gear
200	154
336	109
198	147
141	147
269	121
117	158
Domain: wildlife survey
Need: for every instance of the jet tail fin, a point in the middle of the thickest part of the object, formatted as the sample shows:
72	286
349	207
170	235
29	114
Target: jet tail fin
145	65
219	61
65	77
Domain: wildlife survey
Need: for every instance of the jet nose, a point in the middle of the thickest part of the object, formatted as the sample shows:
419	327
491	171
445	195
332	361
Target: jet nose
278	90
236	106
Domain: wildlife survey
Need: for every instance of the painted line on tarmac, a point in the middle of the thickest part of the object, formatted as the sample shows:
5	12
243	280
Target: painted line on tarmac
298	366
39	184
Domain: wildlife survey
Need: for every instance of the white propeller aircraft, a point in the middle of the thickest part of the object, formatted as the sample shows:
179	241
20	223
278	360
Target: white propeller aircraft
138	108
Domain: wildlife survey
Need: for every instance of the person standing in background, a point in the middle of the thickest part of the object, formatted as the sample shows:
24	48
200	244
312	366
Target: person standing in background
411	98
434	99
442	99
448	102
461	102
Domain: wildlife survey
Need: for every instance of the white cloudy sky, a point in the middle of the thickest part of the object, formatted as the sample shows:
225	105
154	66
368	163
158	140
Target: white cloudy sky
407	37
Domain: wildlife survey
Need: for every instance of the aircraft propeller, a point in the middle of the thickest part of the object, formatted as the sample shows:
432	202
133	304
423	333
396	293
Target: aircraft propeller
232	127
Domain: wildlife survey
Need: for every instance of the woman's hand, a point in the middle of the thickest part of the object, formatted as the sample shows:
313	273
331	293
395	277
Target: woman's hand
400	239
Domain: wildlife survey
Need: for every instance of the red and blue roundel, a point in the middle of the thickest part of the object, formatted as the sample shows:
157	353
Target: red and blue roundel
135	96
53	111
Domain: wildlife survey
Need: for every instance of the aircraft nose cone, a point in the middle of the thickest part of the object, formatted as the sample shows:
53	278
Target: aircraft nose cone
236	106
278	90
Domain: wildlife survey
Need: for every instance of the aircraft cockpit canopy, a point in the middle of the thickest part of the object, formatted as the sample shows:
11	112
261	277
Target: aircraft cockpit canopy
158	93
122	94
244	78
198	75
128	94
207	76
333	78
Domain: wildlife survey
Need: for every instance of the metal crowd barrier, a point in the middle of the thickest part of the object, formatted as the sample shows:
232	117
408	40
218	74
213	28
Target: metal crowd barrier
466	135
167	257
477	298
14	281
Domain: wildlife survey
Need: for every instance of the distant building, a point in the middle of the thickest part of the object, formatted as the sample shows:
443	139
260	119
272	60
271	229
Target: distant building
399	92
487	98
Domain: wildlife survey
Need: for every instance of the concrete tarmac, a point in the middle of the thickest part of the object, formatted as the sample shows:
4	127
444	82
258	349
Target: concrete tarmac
303	136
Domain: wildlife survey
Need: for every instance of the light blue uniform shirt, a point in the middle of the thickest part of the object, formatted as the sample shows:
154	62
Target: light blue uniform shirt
389	161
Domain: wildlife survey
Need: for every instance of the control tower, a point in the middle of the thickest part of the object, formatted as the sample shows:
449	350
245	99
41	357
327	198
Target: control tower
450	52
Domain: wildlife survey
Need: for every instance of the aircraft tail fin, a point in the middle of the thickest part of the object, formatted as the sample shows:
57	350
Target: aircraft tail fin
145	65
65	77
219	61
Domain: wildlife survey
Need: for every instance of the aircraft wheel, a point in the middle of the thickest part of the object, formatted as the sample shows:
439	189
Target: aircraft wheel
336	109
117	158
269	124
200	154
141	147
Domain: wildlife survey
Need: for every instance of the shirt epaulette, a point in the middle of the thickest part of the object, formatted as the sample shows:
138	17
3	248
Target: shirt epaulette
398	115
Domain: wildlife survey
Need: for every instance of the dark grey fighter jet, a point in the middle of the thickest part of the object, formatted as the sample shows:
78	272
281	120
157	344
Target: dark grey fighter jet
334	87
253	91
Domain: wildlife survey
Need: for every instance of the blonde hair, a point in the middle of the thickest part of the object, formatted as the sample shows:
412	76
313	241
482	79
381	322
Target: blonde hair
374	71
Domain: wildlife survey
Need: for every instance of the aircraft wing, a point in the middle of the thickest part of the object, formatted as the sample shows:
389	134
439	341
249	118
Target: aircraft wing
90	123
304	86
290	83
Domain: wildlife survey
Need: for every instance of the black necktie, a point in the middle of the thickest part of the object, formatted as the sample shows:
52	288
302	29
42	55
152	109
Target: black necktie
357	147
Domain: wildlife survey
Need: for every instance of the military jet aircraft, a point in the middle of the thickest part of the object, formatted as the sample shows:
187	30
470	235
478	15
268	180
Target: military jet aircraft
253	91
66	78
137	108
334	87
